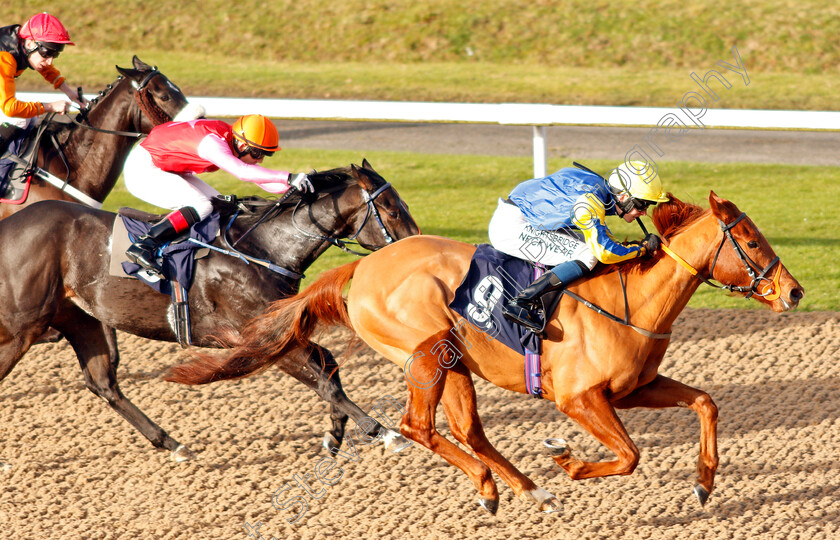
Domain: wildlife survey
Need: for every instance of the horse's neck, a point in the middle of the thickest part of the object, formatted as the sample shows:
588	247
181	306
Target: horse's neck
658	295
283	243
96	158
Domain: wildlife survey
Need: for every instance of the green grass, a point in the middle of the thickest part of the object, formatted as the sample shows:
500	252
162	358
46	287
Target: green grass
572	52
454	196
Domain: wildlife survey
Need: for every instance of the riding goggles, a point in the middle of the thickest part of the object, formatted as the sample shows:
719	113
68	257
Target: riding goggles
258	153
641	205
49	50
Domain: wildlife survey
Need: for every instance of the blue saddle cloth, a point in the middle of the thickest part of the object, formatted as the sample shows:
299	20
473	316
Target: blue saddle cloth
492	279
178	258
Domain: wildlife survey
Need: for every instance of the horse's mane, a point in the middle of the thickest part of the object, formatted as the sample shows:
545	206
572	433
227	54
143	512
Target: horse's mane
669	218
252	208
62	129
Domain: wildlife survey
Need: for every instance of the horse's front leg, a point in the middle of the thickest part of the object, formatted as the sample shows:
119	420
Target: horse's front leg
663	392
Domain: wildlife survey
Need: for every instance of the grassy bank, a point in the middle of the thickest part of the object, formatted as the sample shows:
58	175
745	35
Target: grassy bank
616	53
455	196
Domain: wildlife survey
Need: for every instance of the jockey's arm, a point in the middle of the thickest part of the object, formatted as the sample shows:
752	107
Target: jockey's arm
589	217
9	104
217	151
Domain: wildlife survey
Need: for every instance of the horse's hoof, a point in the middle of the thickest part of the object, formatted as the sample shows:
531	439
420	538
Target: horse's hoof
182	453
557	447
330	443
395	442
549	506
702	494
491	505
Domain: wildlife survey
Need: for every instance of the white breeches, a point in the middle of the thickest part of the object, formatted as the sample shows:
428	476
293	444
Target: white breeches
164	189
19	122
510	233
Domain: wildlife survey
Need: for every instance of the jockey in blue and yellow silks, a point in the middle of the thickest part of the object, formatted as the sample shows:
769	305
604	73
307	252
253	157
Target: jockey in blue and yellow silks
559	221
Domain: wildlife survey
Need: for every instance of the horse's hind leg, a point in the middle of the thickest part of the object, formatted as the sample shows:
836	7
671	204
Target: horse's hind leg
418	423
321	378
663	392
96	347
13	345
459	405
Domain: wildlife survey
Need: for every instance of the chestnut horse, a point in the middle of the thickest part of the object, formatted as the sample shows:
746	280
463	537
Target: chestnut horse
90	153
55	260
592	365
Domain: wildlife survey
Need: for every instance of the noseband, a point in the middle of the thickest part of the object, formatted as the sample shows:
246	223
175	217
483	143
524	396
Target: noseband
146	102
771	290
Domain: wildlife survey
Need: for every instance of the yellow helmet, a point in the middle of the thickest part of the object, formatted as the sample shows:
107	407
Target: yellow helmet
638	180
258	132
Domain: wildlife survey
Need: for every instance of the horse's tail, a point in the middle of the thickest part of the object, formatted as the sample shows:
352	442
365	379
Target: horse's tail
286	326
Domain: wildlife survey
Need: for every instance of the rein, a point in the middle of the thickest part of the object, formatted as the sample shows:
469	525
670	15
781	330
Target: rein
144	101
626	320
231	250
757	274
369	199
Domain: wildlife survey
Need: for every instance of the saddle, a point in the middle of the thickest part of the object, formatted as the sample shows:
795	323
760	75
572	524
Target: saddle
492	280
178	256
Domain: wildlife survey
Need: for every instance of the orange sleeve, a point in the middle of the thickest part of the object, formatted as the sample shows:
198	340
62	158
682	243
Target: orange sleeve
52	76
8	102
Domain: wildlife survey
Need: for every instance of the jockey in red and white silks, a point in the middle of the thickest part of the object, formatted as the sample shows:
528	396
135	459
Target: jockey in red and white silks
162	169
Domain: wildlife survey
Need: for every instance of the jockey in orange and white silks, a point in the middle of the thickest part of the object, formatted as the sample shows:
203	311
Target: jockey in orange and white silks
162	171
559	221
34	45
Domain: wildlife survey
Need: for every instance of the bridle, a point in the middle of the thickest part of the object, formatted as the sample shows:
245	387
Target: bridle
145	102
770	290
368	197
372	210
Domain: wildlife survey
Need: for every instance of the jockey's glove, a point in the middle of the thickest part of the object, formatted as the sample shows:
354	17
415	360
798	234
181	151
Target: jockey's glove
651	244
301	182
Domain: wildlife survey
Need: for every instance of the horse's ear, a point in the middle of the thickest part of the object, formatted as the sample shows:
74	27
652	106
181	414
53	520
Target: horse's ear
366	164
140	65
723	209
362	177
129	73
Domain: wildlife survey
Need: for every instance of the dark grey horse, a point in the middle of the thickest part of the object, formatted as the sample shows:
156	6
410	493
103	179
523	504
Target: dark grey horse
50	282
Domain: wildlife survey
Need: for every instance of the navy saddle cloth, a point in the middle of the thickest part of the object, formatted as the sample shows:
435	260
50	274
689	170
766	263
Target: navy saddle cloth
493	279
178	257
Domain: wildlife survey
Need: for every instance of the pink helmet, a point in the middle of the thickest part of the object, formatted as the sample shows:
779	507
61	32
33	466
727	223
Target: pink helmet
43	27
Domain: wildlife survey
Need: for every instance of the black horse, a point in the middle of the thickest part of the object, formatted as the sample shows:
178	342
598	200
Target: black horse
54	259
90	153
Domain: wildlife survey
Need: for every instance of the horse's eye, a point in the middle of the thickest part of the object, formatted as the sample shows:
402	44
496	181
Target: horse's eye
393	214
165	97
752	244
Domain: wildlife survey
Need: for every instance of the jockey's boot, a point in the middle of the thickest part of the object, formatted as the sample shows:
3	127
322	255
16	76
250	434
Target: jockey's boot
524	309
8	133
142	251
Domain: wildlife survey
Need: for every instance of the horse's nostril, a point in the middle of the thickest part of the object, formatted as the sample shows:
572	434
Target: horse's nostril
797	294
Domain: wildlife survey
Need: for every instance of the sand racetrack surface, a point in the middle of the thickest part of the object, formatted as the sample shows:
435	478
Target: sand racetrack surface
75	469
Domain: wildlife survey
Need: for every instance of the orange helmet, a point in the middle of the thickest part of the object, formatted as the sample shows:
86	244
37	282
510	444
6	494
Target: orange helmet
258	132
